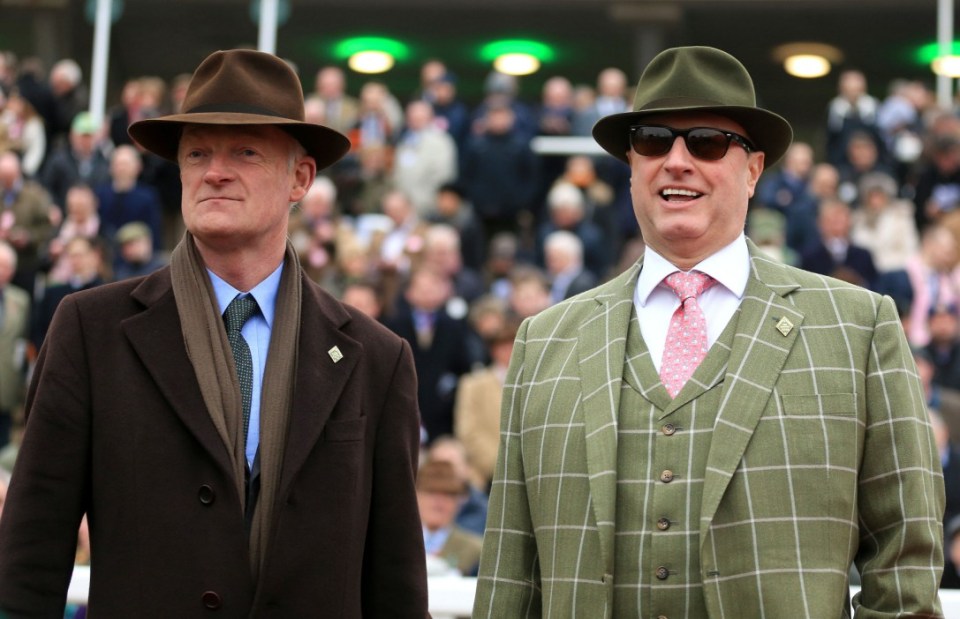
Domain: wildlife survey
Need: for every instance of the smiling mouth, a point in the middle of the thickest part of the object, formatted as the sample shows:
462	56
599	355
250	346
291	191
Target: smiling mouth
673	194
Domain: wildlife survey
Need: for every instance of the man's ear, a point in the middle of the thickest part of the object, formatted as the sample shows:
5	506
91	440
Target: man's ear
304	171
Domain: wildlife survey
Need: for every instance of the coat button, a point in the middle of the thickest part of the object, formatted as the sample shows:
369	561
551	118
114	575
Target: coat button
662	573
211	600
669	429
206	494
663	524
666	476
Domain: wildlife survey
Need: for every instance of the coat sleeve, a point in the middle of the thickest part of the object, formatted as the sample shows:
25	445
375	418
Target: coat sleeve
394	570
901	495
49	491
509	579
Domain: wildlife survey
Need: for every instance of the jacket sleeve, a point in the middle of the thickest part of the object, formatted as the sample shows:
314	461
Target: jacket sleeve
394	570
901	495
49	491
509	579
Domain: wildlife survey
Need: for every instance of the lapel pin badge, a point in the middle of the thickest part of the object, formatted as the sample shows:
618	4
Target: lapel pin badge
784	326
335	354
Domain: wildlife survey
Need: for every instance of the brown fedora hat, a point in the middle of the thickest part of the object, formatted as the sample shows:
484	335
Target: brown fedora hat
697	79
242	87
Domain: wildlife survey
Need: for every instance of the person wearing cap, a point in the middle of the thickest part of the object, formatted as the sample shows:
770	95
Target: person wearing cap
259	463
727	455
440	494
80	160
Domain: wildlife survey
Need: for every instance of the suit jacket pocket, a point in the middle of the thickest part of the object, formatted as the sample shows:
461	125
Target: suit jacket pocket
345	430
821	405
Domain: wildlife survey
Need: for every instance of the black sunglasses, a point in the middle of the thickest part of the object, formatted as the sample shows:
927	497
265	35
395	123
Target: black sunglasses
702	142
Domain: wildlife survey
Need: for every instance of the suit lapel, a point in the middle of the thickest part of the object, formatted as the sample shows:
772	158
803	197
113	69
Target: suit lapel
758	353
601	347
326	359
156	336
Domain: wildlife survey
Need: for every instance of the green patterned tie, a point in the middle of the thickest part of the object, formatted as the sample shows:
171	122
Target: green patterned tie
239	310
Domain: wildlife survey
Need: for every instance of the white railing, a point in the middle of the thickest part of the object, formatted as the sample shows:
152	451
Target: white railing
452	596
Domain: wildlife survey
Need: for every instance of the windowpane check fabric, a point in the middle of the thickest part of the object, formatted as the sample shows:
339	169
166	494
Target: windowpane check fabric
687	334
237	313
820	453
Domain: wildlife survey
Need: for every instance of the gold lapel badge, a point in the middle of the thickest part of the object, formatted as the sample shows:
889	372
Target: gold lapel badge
335	354
784	326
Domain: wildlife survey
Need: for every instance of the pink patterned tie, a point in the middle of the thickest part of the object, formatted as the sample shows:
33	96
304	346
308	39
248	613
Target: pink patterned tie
686	344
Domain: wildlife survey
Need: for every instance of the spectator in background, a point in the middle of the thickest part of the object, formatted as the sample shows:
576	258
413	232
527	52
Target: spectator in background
424	159
403	244
529	291
477	410
341	110
451	113
611	98
863	157
135	255
364	295
598	200
555	116
852	110
26	134
934	279
313	229
833	253
453	209
472	514
124	199
786	190
85	258
950	459
502	90
437	340
70	96
441	251
567	212
81	160
900	122
32	84
25	218
563	256
379	119
884	226
944	347
938	181
440	494
81	220
14	333
501	260
128	111
500	173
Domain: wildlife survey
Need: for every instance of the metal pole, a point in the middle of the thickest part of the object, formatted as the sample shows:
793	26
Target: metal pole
945	45
101	54
268	26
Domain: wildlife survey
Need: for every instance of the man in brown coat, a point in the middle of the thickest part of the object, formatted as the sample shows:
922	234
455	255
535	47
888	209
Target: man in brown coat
259	468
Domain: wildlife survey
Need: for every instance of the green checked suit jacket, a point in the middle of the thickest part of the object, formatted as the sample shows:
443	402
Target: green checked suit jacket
820	455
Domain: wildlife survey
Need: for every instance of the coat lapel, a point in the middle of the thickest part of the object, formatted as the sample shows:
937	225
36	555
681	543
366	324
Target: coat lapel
760	347
601	350
326	359
156	336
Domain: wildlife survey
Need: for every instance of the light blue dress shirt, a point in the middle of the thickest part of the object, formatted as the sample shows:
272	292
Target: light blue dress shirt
256	331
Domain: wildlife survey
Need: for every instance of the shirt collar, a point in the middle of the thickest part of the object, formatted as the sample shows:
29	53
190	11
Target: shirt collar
730	267
264	293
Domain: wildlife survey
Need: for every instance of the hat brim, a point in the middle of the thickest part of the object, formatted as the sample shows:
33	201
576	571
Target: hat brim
161	136
771	133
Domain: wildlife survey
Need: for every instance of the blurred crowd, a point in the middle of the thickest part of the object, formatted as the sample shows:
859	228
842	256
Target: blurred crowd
444	224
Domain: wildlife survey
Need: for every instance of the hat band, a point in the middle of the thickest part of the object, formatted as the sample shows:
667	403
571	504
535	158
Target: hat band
680	102
233	108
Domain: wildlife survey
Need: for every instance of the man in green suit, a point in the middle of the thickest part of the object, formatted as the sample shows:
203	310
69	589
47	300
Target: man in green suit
723	451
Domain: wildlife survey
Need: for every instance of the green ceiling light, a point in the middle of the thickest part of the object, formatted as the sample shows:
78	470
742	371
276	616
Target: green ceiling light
941	64
371	54
517	56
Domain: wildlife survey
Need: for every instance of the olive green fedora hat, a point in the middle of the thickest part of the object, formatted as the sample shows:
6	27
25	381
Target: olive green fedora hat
697	79
242	87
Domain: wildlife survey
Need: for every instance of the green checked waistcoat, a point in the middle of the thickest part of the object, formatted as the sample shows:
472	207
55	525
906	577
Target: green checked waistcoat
816	452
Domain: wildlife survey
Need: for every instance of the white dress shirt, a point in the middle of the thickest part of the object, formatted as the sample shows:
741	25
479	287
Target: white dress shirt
656	302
